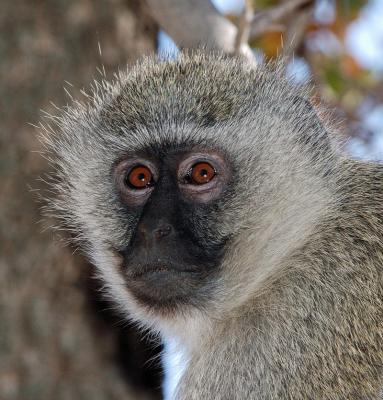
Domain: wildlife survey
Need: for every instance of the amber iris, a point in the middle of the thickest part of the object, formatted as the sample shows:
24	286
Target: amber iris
140	177
202	173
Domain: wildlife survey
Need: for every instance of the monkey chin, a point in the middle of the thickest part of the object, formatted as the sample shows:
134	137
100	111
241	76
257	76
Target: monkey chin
165	287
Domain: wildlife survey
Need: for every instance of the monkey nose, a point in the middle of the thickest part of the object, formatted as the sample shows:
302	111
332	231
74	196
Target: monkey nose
149	233
162	231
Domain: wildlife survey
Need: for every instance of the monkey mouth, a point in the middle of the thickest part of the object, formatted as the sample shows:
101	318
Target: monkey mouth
164	285
152	268
159	268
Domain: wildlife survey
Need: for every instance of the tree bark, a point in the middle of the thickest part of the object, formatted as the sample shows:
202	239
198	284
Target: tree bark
53	344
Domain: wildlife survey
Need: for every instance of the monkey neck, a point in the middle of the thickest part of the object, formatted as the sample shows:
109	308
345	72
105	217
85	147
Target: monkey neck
187	331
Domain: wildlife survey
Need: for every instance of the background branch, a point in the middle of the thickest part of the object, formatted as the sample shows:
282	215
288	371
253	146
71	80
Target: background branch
196	23
295	32
264	20
244	26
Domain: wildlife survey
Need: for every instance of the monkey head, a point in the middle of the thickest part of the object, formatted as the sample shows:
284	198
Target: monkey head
188	182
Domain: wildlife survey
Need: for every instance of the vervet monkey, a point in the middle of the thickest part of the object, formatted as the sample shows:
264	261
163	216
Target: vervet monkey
221	216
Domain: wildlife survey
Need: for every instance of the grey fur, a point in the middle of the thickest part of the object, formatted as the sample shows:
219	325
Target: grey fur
297	311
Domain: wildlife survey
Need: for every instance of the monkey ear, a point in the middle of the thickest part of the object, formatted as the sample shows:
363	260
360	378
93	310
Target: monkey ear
315	134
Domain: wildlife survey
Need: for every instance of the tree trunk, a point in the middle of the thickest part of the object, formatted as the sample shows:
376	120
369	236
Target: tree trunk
55	343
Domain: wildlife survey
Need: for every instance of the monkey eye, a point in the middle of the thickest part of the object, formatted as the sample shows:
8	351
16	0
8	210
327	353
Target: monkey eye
139	177
202	177
201	173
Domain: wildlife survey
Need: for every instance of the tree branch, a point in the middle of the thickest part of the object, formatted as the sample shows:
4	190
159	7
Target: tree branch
295	32
196	23
244	26
262	21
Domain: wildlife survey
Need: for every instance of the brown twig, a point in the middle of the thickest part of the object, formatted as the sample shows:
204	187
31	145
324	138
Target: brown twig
263	20
244	26
196	23
295	32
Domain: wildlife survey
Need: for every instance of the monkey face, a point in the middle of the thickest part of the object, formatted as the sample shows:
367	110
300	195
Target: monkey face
174	251
188	182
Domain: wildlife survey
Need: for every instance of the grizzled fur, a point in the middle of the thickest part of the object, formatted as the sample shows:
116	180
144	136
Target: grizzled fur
296	311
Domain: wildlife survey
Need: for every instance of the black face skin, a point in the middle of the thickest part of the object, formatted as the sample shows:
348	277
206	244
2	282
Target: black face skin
173	253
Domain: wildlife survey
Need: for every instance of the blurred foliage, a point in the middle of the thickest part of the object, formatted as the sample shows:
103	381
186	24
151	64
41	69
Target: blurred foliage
338	76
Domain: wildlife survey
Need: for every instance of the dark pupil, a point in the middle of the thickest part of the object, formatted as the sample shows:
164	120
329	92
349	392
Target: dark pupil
141	177
203	172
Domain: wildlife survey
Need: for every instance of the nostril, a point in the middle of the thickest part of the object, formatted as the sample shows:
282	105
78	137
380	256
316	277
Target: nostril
142	231
162	231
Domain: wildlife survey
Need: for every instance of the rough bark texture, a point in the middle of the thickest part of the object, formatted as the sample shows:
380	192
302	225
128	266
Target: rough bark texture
53	344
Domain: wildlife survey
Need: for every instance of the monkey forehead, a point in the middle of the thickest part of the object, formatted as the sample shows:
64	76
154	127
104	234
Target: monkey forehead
183	90
178	101
198	99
